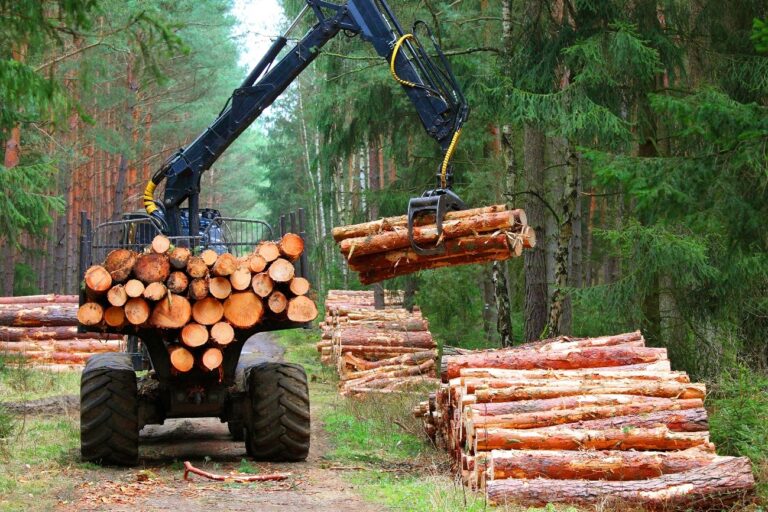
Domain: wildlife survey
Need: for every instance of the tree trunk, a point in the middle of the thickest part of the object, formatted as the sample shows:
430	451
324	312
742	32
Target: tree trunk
535	265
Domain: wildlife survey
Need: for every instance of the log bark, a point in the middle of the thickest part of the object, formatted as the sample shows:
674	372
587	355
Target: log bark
225	265
137	311
134	288
222	333
426	236
256	263
364	337
243	309
114	316
220	287
644	388
40	299
117	296
589	357
194	335
197	268
301	309
179	258
209	256
587	374
198	288
161	244
299	286
262	284
119	263
182	359
97	280
212	359
291	246
407	359
152	268
281	270
241	279
173	312
90	314
155	291
578	401
269	251
207	311
178	282
277	302
708	487
13	334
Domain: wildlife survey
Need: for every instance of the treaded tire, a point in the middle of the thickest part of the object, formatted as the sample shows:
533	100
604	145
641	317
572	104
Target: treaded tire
109	420
236	430
278	426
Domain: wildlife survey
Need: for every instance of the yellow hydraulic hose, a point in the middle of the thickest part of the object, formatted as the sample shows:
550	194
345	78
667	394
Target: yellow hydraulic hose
149	197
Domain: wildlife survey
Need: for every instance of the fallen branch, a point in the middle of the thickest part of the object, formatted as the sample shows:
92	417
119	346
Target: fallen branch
189	468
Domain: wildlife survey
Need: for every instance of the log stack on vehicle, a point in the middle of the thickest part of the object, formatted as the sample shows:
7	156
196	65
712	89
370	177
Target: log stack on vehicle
382	250
583	421
43	330
199	300
376	350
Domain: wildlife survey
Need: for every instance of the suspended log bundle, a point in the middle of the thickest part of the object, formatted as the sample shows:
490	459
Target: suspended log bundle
584	421
42	329
198	301
382	249
376	350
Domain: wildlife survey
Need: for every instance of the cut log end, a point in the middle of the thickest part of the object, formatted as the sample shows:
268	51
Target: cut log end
243	309
209	256
161	244
137	311
212	359
117	296
179	257
182	359
301	309
224	266
98	280
262	284
257	263
197	267
173	312
220	287
291	246
277	302
178	282
207	311
281	270
155	291
114	316
134	288
241	278
90	314
299	286
198	288
222	333
194	335
269	251
152	268
119	263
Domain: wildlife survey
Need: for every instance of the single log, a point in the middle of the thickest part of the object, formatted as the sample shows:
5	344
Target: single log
277	302
472	384
72	346
644	388
117	296
179	257
152	268
207	311
257	263
198	288
616	413
364	337
220	287
406	359
49	333
425	369
119	263
243	309
268	250
580	374
684	420
291	246
194	335
392	223
407	325
299	286
57	357
426	236
209	257
596	465
178	282
51	298
262	284
372	315
301	309
114	316
588	357
155	291
189	468
376	350
241	279
137	311
134	288
225	265
182	359
173	312
704	488
222	333
281	270
211	359
564	438
161	244
90	313
97	280
197	267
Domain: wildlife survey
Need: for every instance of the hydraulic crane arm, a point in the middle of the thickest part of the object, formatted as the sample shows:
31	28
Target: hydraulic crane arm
429	84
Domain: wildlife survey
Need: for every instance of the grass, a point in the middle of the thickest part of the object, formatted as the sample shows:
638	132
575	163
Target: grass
19	381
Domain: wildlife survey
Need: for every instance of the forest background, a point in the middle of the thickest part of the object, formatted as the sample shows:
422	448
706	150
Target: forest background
634	133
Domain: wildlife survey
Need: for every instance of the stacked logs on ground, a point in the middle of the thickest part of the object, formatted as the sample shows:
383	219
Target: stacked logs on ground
42	329
376	350
583	421
199	301
382	249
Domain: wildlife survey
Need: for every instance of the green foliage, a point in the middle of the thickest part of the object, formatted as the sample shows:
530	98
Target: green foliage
24	280
760	35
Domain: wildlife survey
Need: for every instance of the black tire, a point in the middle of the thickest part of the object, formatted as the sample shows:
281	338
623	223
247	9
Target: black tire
109	419
237	430
277	428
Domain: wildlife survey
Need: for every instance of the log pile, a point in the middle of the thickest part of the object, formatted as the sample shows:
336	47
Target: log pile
382	250
583	421
198	301
376	350
43	330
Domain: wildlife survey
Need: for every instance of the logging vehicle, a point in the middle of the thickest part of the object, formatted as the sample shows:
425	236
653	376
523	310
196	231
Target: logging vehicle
266	404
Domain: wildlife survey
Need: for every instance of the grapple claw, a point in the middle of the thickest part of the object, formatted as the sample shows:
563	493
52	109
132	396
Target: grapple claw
438	201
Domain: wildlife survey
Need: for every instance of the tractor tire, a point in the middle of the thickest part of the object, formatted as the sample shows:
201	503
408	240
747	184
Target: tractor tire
109	417
236	430
277	428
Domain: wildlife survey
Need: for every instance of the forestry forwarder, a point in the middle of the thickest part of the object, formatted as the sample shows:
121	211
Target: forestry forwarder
265	403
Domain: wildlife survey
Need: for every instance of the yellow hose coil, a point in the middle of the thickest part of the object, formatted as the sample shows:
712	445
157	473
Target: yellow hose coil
149	197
